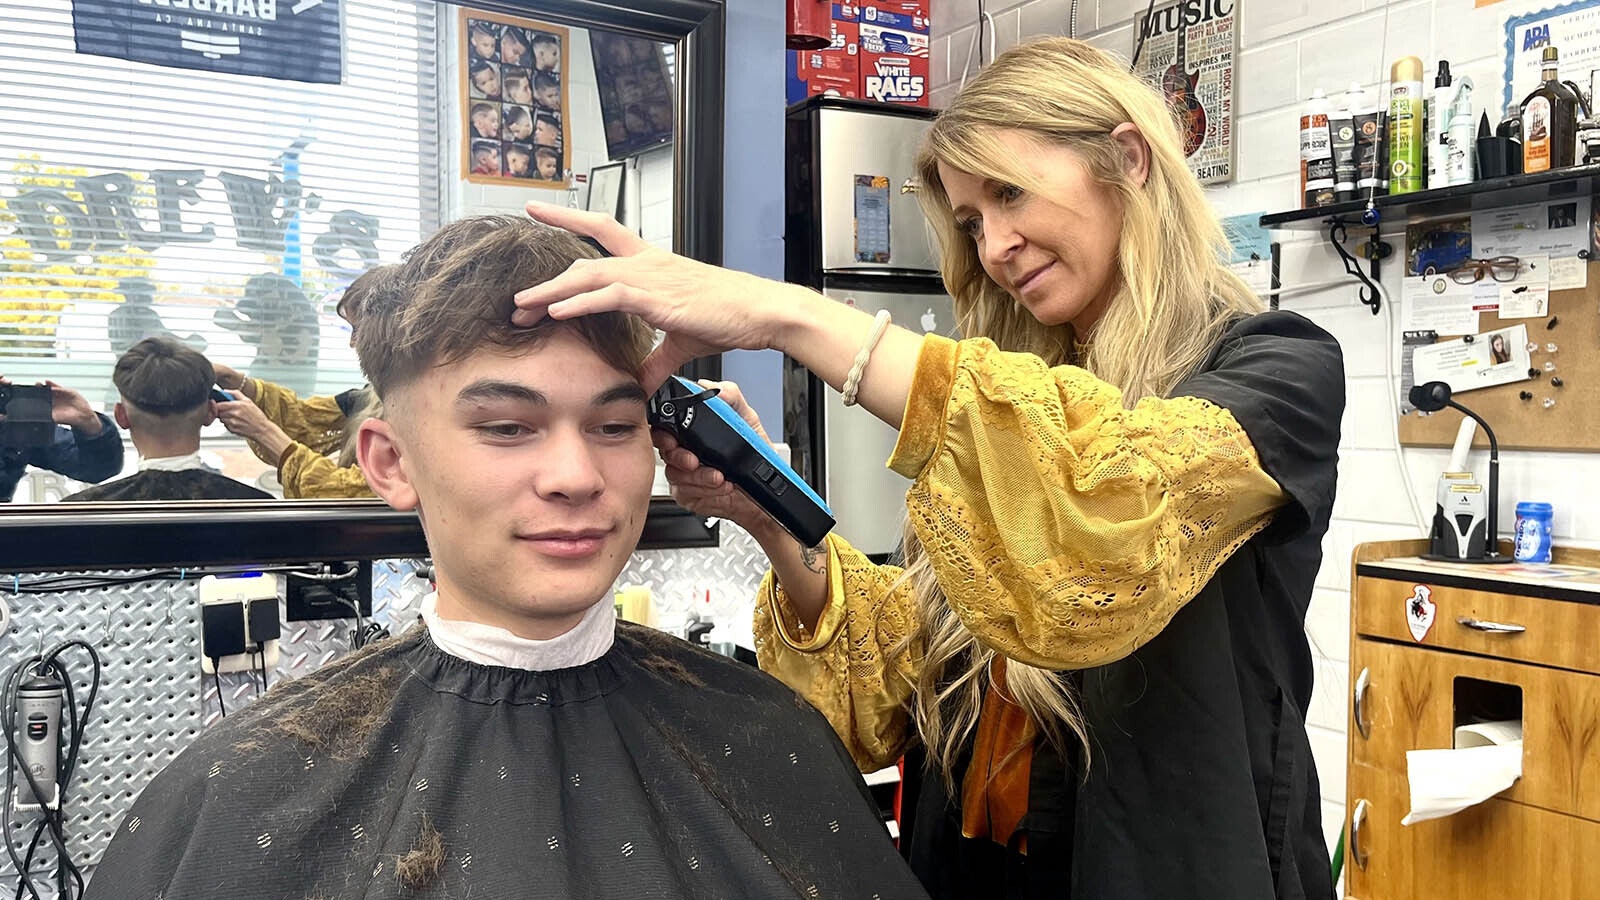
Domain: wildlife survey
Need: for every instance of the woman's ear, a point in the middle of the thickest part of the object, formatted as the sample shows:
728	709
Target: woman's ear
1136	150
379	451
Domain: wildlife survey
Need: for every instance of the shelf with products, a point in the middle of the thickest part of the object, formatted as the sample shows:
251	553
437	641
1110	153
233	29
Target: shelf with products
1492	193
1461	199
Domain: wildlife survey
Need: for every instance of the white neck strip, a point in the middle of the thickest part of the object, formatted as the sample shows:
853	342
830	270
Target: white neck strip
490	645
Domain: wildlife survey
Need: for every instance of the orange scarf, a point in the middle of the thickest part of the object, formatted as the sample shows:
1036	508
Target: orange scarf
994	793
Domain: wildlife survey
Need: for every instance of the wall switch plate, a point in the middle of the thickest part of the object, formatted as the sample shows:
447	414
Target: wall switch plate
232	596
313	599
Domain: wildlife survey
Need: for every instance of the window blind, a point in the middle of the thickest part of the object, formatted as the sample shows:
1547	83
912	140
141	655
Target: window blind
228	210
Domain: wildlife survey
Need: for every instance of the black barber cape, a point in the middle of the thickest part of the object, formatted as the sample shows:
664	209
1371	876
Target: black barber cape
659	770
1200	784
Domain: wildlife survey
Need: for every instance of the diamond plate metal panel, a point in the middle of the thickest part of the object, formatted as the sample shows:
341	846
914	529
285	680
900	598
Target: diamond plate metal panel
154	699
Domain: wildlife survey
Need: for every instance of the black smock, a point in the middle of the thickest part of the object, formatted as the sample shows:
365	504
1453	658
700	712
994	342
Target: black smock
158	484
1200	782
659	770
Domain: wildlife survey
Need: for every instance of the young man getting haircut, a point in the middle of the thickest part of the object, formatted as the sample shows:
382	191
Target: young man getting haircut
521	742
165	390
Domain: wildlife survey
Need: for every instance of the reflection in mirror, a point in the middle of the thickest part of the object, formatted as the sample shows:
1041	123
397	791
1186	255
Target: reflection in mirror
156	220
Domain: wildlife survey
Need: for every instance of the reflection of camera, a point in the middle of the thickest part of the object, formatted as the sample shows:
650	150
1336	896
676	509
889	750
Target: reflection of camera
27	422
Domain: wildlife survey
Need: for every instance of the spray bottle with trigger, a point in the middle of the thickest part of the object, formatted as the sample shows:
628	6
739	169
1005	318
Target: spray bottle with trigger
39	746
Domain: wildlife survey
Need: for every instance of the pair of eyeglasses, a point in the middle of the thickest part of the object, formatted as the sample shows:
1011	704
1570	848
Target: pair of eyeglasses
1501	268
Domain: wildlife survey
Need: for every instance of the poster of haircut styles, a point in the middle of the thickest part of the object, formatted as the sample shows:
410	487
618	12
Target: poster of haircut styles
513	101
1189	52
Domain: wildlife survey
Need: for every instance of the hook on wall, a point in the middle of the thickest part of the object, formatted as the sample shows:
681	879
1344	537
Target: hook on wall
1374	250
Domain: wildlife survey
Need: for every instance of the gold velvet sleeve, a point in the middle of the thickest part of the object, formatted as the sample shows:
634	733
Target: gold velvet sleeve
317	422
847	669
1067	530
306	474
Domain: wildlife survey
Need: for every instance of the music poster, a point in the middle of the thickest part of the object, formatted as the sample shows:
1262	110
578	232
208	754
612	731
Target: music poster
1189	52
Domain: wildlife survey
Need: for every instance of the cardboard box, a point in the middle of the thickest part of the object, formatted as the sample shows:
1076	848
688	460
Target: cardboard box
893	64
907	16
834	70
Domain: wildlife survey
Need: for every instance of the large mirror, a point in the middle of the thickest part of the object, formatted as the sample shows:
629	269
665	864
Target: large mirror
221	172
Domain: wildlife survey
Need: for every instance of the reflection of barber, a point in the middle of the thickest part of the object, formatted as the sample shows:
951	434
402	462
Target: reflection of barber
86	445
298	435
277	317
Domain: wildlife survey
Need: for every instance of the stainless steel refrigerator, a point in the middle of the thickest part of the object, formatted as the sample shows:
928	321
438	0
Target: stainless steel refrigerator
854	231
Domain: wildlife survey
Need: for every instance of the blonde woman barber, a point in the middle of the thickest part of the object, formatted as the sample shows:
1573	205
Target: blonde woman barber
1119	488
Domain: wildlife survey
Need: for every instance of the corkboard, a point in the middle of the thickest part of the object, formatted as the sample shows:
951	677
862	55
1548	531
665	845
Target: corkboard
1572	424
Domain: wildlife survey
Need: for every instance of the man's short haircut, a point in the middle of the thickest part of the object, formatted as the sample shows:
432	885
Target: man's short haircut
515	114
544	152
544	37
453	296
545	80
165	385
513	75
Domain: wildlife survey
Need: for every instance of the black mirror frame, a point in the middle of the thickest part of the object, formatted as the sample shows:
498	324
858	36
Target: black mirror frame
63	537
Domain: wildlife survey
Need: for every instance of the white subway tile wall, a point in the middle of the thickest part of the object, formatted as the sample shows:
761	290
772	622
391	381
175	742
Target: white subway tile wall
1286	49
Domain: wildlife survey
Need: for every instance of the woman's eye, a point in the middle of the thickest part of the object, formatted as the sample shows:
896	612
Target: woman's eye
1008	192
969	227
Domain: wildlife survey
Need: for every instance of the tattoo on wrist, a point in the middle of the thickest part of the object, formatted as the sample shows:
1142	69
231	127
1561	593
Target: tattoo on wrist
814	559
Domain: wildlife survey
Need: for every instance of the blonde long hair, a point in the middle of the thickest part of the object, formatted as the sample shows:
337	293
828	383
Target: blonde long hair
1172	301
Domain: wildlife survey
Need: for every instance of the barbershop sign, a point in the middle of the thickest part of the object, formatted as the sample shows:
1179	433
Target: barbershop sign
59	227
292	40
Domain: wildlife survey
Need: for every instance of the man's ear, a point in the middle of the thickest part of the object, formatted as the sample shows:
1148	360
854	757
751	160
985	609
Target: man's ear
119	414
211	413
380	452
1134	147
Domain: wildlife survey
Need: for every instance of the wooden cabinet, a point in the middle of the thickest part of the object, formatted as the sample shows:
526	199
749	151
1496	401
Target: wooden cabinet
1501	645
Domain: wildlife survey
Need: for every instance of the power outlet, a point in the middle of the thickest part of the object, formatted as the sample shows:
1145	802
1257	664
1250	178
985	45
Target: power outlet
313	599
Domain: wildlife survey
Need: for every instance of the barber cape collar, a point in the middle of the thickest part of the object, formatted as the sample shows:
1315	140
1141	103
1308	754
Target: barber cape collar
490	646
657	769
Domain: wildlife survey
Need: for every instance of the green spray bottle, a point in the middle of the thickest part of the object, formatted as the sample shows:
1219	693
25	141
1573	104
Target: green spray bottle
1407	172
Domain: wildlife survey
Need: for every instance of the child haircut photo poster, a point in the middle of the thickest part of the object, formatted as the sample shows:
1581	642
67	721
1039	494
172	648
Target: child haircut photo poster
513	100
1188	51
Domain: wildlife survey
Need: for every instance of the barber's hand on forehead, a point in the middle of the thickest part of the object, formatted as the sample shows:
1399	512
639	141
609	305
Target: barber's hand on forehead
703	309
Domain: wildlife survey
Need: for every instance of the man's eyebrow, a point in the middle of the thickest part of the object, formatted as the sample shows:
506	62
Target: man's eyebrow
629	392
486	389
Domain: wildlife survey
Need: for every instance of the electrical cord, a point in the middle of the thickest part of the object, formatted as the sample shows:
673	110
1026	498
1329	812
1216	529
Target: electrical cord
216	679
69	879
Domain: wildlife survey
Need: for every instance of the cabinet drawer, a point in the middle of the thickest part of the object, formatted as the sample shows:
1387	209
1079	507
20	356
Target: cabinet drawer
1409	702
1560	633
1495	849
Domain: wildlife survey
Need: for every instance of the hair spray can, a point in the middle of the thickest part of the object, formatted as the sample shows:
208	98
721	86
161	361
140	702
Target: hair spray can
1406	130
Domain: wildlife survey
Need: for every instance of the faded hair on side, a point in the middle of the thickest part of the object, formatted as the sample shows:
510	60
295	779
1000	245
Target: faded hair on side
453	296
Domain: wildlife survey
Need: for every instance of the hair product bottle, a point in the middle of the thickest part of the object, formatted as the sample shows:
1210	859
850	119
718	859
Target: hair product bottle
1316	153
1549	122
1406	126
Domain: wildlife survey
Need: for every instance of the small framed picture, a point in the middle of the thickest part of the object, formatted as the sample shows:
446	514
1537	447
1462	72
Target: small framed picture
605	189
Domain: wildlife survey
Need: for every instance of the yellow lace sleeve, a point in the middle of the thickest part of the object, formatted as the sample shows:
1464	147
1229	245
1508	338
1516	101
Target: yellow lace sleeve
1065	529
317	422
847	669
306	474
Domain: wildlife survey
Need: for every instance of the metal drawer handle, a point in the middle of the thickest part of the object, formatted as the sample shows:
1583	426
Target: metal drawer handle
1363	681
1491	627
1357	819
